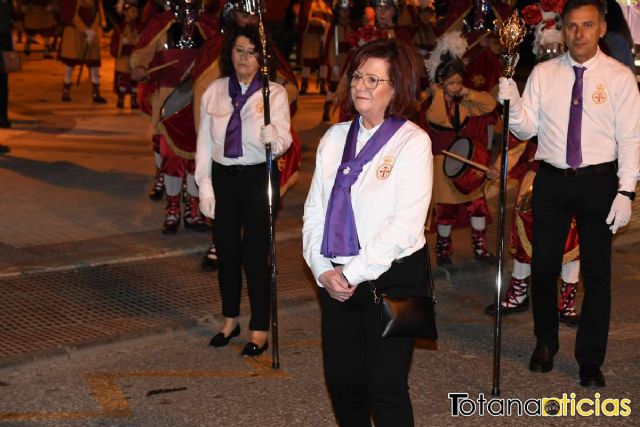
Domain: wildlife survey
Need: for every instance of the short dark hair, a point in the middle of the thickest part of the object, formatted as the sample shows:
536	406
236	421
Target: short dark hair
403	73
574	4
231	33
450	66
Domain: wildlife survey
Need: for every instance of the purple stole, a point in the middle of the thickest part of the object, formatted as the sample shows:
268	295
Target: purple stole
233	137
340	236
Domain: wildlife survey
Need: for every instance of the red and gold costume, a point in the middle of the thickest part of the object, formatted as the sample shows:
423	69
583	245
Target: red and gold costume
77	16
39	18
313	27
454	208
123	40
158	45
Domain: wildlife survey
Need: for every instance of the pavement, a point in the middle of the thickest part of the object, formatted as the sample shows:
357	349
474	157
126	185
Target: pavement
105	322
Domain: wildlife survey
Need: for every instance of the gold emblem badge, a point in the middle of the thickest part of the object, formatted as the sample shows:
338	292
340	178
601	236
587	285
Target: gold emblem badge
384	171
260	107
388	160
599	96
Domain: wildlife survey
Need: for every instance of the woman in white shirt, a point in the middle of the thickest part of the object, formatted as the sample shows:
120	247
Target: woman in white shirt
364	225
231	170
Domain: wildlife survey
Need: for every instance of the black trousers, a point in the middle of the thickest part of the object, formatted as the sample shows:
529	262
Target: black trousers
4	97
241	236
555	199
365	373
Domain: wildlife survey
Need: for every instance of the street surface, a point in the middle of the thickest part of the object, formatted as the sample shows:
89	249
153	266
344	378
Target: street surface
105	322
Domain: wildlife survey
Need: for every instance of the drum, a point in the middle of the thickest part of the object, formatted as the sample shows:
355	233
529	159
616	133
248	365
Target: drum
176	115
466	178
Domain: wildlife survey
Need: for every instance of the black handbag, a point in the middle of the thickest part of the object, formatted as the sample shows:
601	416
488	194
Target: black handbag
409	316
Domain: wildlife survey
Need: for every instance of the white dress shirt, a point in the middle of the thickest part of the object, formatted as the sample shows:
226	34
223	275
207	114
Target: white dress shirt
215	111
390	200
610	118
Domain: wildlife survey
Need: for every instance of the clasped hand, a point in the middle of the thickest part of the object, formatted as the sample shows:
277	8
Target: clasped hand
268	134
336	285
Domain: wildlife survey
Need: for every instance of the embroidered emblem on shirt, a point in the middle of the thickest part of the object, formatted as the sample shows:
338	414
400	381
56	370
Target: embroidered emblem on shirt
388	160
260	107
384	171
599	96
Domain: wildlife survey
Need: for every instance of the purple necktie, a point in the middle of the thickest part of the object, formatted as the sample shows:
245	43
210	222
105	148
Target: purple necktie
574	133
340	236
233	135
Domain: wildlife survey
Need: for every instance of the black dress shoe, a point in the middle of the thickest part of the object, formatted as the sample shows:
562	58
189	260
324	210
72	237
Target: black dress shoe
209	264
523	306
570	321
220	340
252	349
591	376
541	359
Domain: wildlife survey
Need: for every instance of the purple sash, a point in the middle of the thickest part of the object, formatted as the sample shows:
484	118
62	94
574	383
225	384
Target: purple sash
340	236
233	137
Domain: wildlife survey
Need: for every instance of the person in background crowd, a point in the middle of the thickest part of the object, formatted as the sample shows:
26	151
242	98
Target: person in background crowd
523	167
6	44
123	39
80	44
424	39
351	241
207	69
39	19
171	40
584	107
231	173
314	22
450	112
617	39
337	51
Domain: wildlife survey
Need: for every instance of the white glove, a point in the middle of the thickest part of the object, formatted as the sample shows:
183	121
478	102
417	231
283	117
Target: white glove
90	35
620	213
208	206
507	89
268	134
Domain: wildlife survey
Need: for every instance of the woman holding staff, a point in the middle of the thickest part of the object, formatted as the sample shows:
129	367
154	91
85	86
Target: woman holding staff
232	178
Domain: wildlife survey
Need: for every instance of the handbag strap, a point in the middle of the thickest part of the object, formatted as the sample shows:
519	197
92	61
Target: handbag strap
431	288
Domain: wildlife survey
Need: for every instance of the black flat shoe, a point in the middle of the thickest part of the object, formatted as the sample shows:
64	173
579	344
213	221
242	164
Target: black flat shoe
219	340
591	376
252	349
541	359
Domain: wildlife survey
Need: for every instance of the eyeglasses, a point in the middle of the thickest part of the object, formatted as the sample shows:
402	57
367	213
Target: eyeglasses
370	81
244	52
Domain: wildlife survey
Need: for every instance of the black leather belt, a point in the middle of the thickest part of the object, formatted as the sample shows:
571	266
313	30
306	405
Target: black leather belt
587	170
239	169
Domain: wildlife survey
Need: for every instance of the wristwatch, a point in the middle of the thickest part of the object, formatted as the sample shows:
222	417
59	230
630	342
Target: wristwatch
629	194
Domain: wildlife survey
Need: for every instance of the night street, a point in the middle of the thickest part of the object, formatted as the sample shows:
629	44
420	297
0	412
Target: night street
104	321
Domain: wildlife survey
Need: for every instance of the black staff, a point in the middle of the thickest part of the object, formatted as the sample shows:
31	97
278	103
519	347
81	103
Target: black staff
275	363
510	35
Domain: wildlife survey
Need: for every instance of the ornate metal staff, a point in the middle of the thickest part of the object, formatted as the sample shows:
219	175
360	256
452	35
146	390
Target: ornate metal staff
510	36
264	70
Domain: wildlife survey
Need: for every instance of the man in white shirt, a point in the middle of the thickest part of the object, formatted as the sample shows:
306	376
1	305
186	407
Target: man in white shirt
584	107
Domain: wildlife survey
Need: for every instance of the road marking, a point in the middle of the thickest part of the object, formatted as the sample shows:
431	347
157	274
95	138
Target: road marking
113	403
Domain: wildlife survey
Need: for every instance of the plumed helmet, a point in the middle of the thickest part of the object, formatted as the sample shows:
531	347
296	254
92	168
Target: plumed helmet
393	3
247	6
342	4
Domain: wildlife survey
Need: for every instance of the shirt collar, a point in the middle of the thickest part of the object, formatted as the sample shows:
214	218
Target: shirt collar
367	133
590	63
243	87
